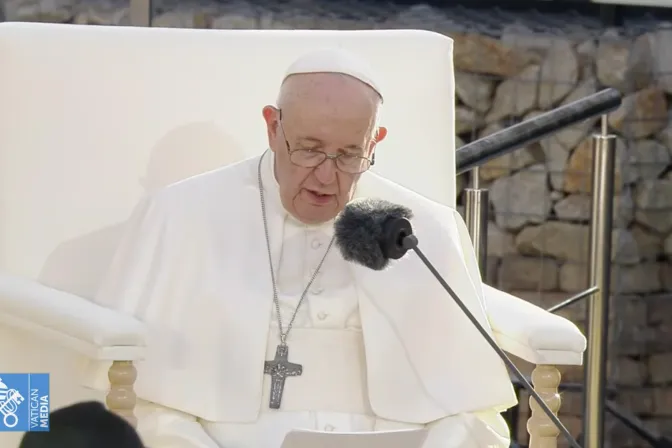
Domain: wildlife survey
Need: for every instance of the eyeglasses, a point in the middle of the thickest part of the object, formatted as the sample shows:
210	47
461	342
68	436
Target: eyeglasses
312	158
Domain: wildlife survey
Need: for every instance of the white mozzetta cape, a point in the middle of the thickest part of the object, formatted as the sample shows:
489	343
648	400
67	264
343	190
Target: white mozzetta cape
194	266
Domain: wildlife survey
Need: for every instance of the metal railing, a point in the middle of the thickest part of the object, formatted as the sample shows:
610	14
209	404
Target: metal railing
471	156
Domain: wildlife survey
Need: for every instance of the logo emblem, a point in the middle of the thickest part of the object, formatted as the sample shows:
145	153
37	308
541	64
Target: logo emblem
10	399
24	402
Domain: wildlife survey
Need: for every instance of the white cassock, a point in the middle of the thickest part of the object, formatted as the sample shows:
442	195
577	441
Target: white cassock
379	349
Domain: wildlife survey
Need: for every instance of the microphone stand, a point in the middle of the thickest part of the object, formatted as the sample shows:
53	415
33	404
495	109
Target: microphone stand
399	239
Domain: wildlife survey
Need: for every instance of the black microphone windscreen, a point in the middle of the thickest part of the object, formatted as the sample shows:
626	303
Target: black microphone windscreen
359	230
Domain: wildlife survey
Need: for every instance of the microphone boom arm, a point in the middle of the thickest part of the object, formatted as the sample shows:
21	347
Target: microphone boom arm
410	241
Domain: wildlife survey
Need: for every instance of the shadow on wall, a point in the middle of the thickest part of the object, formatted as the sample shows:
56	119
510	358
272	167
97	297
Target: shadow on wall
78	265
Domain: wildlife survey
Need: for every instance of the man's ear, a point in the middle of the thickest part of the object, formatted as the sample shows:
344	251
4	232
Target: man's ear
381	133
271	116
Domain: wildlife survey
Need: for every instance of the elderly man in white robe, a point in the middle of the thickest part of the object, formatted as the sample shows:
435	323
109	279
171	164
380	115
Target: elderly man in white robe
235	270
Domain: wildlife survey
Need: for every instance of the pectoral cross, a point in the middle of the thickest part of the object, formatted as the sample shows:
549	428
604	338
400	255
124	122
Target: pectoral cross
279	369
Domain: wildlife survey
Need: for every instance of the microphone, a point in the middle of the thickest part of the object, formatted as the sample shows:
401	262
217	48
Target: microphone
371	232
368	232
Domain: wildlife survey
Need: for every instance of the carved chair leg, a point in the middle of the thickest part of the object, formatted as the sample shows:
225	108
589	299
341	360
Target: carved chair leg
543	433
121	397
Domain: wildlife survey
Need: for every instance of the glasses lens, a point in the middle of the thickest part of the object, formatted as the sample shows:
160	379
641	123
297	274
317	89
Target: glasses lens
353	164
348	164
307	158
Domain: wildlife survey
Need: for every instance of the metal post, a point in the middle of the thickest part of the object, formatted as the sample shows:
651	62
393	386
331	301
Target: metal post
140	12
599	275
476	217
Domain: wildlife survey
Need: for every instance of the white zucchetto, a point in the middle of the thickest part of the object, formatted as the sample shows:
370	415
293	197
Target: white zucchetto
335	60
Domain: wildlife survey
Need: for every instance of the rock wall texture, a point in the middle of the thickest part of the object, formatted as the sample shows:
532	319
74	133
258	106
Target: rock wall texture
541	201
540	195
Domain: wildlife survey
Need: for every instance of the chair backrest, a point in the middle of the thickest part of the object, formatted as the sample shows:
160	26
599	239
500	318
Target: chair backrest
91	117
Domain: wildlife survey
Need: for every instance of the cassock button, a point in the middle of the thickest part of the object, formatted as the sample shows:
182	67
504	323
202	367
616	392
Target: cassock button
317	290
322	315
329	428
316	244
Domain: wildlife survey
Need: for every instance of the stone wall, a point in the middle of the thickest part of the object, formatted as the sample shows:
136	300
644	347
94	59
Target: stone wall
538	238
541	199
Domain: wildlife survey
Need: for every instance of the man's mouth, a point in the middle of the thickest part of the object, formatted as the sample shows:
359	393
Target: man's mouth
318	197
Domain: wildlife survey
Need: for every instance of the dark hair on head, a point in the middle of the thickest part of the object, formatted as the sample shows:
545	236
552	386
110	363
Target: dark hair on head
84	425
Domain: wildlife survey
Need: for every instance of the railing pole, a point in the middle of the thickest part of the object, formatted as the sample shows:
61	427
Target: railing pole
529	131
599	275
140	12
476	217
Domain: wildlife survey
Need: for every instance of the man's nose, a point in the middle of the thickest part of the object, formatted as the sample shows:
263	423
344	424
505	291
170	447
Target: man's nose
326	171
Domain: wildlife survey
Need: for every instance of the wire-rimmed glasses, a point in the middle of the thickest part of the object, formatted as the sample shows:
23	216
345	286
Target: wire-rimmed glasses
312	158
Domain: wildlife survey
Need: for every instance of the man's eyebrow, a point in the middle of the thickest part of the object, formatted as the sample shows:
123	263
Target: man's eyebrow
307	139
310	139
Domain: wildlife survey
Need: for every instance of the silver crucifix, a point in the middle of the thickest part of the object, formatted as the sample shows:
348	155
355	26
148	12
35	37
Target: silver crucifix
279	369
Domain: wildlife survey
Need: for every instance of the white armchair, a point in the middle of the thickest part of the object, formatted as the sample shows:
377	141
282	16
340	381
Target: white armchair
92	117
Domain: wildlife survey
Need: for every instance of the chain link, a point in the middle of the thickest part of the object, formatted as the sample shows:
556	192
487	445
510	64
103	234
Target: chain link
276	301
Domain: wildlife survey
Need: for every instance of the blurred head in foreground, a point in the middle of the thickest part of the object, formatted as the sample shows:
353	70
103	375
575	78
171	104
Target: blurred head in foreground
84	425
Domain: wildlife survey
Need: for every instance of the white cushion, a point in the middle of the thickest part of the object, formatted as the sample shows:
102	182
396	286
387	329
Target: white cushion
532	333
65	319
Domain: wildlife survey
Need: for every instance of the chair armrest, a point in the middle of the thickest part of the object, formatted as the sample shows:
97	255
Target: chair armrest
70	321
532	333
